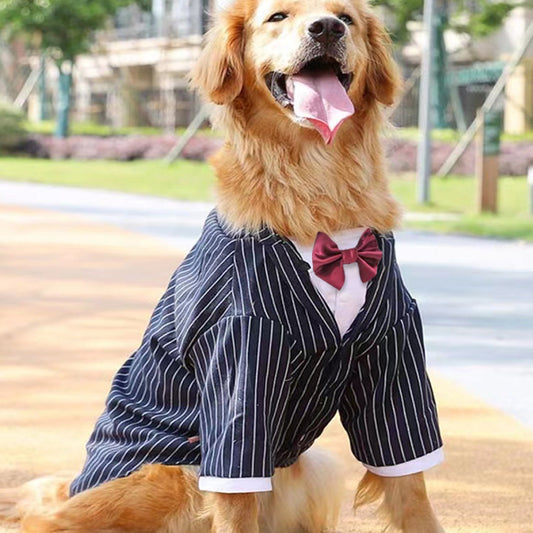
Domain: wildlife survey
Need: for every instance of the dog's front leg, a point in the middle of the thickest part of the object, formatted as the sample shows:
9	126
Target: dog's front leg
405	501
235	513
408	506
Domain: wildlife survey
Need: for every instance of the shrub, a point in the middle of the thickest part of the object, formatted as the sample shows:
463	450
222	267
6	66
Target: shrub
12	129
515	157
126	148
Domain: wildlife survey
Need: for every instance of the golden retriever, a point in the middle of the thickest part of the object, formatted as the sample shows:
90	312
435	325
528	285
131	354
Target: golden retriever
298	176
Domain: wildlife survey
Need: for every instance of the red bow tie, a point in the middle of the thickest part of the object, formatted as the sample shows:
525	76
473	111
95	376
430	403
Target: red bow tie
328	260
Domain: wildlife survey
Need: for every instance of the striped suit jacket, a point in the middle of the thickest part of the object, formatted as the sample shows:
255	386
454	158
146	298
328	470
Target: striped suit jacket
242	367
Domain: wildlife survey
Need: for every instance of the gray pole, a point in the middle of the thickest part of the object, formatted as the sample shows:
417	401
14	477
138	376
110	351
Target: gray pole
189	133
423	167
530	186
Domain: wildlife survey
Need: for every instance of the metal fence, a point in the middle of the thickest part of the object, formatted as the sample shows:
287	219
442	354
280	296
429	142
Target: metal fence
169	19
468	87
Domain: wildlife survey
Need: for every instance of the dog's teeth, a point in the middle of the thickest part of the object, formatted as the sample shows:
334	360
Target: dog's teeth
290	88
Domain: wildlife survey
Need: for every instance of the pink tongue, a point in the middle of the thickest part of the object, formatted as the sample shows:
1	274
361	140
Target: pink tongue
322	100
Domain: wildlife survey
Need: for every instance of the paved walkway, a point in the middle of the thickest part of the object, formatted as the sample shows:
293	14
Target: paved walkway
476	295
76	297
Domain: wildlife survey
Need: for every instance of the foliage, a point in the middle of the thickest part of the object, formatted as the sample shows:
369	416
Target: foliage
401	12
476	18
483	20
454	136
118	148
61	27
98	142
11	127
46	127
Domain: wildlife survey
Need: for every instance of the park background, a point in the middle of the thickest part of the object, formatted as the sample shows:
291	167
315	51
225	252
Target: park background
94	97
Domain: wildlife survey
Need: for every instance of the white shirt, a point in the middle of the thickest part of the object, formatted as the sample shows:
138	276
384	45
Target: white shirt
345	303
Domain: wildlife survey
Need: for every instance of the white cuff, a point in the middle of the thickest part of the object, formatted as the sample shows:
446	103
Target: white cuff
410	467
237	485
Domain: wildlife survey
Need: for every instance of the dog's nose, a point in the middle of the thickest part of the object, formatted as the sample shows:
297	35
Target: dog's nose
326	30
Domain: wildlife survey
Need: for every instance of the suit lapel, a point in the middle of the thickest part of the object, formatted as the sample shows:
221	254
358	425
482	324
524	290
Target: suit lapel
295	273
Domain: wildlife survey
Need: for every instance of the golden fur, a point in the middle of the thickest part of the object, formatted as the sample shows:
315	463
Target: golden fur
271	171
405	502
166	499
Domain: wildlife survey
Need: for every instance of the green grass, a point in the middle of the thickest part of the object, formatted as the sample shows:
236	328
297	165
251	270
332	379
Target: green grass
412	134
452	136
47	127
189	180
456	195
185	180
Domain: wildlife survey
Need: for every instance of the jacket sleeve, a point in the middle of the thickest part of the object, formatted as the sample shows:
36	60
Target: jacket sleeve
242	367
389	409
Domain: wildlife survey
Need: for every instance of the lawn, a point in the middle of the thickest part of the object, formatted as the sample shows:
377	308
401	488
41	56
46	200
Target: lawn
456	195
47	127
452	136
185	180
189	180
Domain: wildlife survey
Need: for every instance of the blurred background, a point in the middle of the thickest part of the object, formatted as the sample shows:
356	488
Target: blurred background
104	186
107	80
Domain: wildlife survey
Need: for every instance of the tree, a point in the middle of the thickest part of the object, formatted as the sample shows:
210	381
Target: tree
473	18
62	29
483	19
476	18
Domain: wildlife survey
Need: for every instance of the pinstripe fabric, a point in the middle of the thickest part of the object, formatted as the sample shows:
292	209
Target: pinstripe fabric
243	352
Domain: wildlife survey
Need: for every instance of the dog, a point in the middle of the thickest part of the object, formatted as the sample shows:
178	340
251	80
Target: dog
209	425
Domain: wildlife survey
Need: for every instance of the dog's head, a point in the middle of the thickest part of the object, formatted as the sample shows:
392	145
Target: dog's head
313	62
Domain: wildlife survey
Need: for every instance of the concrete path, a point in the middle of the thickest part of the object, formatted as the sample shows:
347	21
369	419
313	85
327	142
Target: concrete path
176	223
476	295
75	299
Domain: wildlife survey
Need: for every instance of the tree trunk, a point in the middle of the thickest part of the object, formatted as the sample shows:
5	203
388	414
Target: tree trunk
63	104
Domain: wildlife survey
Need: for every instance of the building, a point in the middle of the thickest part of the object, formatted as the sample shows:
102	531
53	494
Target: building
137	73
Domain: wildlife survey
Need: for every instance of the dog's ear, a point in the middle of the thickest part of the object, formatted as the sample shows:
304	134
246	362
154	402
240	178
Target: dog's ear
383	78
219	71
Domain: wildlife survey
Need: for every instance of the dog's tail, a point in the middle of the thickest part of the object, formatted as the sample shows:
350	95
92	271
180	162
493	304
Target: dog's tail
307	495
36	497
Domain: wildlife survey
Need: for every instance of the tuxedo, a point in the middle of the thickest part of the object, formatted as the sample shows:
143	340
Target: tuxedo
243	365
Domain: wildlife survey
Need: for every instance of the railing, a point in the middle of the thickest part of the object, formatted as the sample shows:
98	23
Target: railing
472	85
179	18
150	28
13	73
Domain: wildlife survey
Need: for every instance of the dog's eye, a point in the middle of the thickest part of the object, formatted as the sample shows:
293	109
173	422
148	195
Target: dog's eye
346	19
277	17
